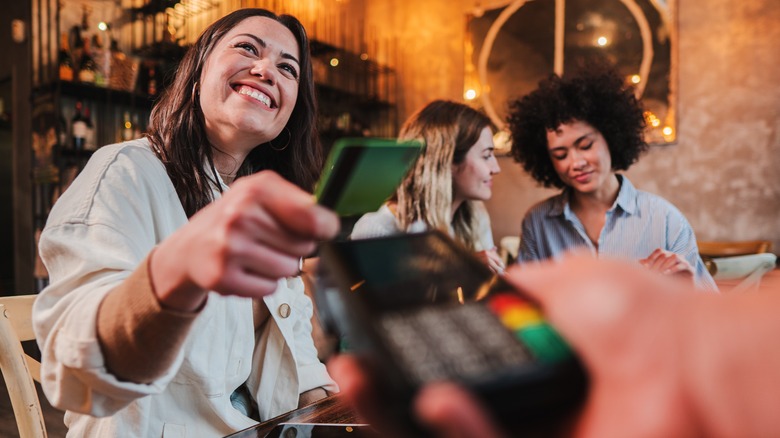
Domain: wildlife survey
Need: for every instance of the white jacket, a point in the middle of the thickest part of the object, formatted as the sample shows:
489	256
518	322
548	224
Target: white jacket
121	206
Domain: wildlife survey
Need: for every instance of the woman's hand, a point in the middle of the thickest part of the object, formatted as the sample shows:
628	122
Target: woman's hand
493	261
668	263
240	244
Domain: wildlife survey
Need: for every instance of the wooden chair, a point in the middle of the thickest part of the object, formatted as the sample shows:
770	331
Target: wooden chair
18	368
742	272
738	266
729	249
508	249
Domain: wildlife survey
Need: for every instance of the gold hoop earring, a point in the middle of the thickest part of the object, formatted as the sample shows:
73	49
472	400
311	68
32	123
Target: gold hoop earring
195	87
289	137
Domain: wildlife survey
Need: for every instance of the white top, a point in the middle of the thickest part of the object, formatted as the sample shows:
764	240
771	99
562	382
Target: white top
384	223
121	206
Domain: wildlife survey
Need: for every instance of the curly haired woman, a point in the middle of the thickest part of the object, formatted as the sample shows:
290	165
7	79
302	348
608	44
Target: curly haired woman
576	133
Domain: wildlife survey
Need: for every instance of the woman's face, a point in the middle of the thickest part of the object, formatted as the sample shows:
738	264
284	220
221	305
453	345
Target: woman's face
580	156
472	180
249	84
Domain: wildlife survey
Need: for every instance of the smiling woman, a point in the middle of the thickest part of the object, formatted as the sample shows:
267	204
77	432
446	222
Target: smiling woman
445	187
175	305
248	89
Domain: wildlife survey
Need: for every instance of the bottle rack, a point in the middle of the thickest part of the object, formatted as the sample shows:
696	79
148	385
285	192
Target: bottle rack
356	95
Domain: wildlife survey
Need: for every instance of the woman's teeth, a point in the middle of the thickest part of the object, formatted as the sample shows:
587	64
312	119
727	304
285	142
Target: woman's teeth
256	95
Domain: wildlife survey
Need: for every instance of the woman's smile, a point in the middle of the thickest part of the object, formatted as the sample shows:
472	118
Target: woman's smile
257	94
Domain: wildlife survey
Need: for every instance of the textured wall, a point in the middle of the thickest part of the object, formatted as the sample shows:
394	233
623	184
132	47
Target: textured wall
724	172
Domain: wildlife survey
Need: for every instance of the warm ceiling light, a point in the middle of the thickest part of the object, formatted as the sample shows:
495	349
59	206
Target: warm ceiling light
470	94
635	79
334	62
364	56
667	130
103	26
602	41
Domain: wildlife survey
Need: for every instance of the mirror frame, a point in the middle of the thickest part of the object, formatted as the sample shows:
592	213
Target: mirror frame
477	86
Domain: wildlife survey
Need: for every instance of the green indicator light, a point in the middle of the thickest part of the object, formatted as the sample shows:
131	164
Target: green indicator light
544	342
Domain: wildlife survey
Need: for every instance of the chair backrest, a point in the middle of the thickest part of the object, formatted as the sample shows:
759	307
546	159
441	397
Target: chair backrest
17	367
729	249
508	248
746	269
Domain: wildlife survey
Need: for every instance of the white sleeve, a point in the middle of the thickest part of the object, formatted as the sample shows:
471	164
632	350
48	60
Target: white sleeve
377	224
97	234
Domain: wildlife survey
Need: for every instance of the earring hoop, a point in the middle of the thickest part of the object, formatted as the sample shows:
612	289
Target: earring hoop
289	137
195	87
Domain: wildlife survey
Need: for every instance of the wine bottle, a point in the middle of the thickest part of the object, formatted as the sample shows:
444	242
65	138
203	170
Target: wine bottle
76	43
152	84
87	66
78	129
102	59
89	143
66	63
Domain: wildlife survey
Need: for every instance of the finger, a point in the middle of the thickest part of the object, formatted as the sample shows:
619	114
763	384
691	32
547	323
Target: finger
292	207
452	412
492	255
658	252
681	267
263	229
658	262
497	266
355	387
263	260
246	284
669	263
580	290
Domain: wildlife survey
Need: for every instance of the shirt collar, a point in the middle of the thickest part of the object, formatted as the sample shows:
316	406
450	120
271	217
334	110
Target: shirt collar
626	199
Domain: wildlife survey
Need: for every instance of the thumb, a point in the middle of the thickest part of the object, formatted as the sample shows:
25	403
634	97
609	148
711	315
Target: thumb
452	412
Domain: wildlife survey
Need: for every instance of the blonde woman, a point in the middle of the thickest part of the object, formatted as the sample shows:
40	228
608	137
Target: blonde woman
445	187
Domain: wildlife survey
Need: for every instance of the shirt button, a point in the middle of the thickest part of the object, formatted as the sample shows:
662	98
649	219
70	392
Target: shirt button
284	310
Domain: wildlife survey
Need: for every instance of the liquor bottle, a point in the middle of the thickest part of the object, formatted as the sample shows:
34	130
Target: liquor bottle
102	59
78	129
76	43
151	85
62	132
90	143
66	63
87	66
127	127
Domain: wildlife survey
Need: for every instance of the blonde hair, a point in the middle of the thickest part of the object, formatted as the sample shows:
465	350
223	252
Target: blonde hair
448	130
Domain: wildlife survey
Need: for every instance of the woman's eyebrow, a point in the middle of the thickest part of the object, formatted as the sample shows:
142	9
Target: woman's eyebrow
264	45
583	137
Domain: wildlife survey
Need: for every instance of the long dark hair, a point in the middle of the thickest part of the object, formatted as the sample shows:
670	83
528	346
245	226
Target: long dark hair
178	137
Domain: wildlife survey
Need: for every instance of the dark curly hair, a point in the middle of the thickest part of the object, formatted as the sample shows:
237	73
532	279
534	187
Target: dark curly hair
595	95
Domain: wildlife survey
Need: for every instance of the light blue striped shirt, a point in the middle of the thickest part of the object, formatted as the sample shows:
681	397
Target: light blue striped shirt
637	224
